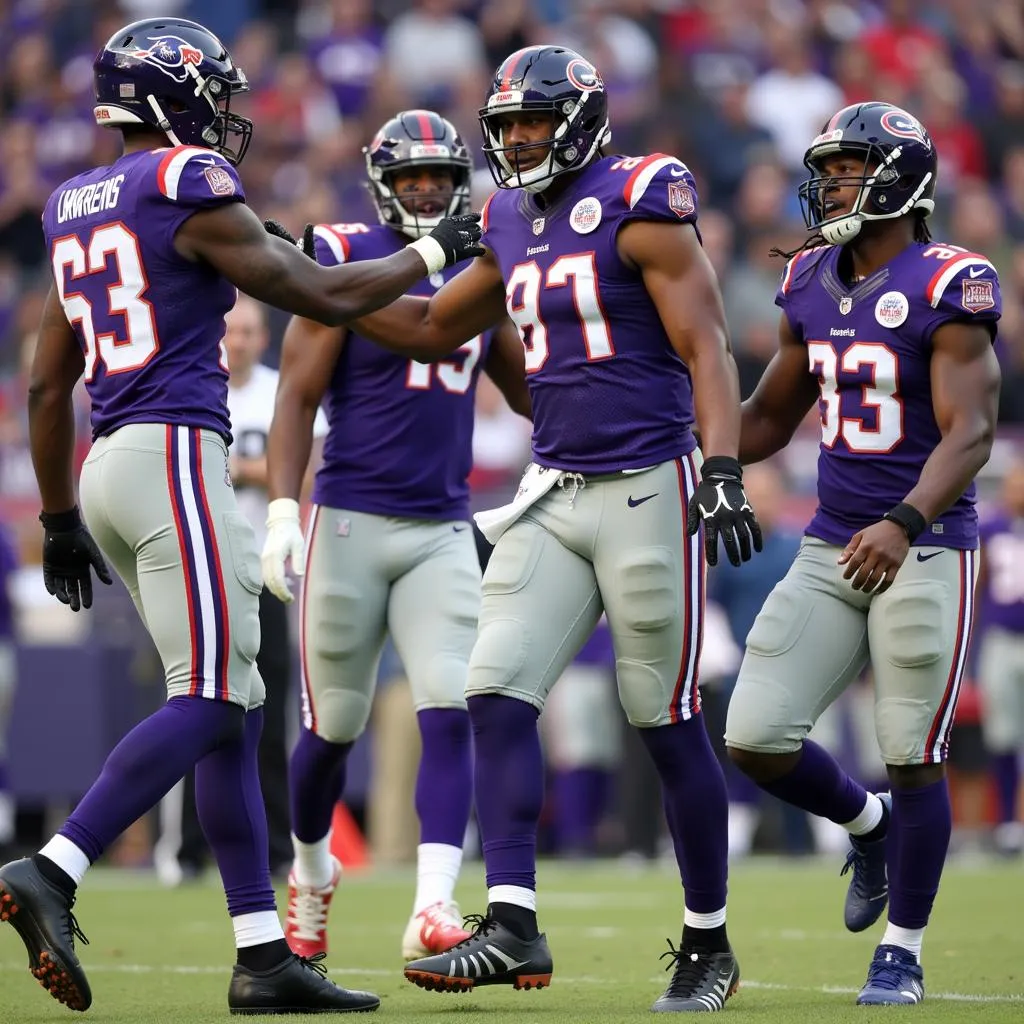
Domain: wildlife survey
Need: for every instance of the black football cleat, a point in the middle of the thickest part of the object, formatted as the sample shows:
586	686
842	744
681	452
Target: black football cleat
297	985
868	892
492	955
41	914
701	981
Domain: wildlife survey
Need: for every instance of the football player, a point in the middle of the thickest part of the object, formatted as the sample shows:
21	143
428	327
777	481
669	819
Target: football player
146	257
391	548
891	334
598	262
1001	654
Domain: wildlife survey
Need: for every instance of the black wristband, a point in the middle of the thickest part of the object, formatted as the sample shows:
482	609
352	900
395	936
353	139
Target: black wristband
721	466
61	522
909	518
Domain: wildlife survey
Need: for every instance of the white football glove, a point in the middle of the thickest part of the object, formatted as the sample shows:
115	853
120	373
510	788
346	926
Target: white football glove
284	541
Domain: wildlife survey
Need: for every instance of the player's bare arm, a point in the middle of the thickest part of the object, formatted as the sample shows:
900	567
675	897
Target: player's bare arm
682	284
69	553
56	367
232	240
506	366
965	391
784	394
470	303
309	353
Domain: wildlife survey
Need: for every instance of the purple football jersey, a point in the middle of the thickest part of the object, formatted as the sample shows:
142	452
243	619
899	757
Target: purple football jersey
401	432
8	564
608	390
1002	597
150	322
869	345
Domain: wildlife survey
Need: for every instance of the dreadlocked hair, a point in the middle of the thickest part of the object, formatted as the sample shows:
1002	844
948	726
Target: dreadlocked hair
921	234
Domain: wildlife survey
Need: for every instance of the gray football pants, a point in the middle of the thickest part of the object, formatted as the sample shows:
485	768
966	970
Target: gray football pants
1001	678
159	502
618	546
369	575
815	634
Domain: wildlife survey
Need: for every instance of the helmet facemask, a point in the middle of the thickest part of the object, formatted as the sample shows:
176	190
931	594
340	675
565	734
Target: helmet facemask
563	155
401	210
882	192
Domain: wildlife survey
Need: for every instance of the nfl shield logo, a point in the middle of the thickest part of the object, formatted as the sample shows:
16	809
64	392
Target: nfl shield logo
845	304
538	225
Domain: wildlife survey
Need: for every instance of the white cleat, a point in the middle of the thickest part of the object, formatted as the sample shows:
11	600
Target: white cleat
435	929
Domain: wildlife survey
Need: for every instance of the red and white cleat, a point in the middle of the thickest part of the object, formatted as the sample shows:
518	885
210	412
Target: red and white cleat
435	929
305	925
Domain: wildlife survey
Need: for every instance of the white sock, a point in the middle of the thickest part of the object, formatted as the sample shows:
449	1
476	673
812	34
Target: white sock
68	857
517	895
910	939
6	817
255	929
867	819
743	819
313	865
437	871
713	920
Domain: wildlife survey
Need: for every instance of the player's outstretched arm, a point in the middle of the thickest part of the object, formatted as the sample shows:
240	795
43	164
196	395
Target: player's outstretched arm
308	356
681	282
69	552
470	303
233	240
965	382
784	394
506	366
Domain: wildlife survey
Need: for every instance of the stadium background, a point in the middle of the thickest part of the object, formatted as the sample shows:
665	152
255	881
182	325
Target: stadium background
735	88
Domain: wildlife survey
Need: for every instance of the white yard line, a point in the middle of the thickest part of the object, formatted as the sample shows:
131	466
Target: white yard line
377	972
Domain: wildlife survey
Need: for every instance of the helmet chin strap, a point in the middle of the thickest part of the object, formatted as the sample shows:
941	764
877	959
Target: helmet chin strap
161	120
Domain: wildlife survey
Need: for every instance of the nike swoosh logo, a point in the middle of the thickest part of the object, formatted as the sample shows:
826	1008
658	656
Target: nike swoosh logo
676	173
459	529
924	558
977	271
633	502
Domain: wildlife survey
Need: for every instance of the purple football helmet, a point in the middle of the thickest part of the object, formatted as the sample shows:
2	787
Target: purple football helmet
549	80
416	138
176	76
900	168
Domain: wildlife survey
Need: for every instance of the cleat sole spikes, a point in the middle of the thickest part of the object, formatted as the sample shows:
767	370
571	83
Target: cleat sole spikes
528	981
52	975
439	982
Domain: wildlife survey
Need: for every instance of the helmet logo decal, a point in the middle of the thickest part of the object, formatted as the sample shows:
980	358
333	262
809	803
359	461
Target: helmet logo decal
906	126
583	75
170	54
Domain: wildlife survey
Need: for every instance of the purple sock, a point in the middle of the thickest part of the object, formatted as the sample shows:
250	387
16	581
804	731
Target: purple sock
696	806
4	778
820	786
921	824
580	795
509	786
444	783
1006	772
145	764
229	803
316	779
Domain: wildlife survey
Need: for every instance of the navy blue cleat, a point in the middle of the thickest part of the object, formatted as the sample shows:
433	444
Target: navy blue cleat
895	978
869	888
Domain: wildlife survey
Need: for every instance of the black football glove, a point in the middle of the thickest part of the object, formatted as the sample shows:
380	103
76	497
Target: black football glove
720	503
278	230
459	237
69	552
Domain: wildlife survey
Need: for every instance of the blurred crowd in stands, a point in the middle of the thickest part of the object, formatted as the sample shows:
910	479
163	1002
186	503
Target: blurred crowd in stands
735	88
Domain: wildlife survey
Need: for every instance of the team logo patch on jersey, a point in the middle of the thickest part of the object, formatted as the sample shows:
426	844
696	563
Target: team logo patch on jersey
538	225
892	309
585	216
221	183
845	305
978	295
680	199
170	54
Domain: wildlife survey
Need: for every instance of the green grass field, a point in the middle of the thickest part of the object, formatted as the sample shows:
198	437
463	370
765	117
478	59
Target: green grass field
161	955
